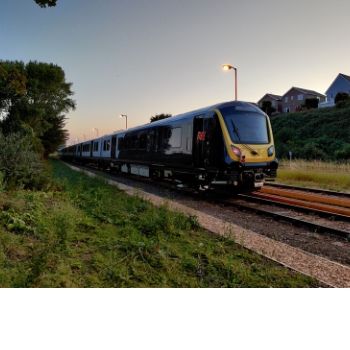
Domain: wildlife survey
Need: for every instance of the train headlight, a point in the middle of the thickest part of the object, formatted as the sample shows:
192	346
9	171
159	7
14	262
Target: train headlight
236	151
271	151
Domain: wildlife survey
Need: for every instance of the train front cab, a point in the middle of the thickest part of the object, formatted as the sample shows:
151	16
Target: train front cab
237	139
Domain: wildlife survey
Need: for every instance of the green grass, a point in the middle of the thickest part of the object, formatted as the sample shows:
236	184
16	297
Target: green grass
318	174
314	134
85	233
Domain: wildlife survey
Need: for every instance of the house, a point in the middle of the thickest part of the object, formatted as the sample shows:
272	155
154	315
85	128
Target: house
295	98
276	101
340	84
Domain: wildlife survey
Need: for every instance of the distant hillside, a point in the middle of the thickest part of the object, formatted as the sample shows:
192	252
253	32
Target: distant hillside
315	134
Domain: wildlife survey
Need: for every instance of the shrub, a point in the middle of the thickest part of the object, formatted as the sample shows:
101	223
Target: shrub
341	96
20	165
343	153
313	134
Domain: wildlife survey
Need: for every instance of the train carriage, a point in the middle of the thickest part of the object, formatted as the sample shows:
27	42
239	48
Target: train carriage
225	144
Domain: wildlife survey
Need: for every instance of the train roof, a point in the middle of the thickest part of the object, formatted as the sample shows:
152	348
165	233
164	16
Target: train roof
196	112
187	115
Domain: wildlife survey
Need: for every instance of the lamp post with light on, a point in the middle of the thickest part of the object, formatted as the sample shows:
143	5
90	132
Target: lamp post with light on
227	67
126	120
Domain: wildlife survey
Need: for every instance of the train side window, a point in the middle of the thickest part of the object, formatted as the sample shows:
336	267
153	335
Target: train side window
142	140
106	145
95	146
175	138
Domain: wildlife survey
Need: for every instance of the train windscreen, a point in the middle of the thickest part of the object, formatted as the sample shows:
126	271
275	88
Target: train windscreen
246	125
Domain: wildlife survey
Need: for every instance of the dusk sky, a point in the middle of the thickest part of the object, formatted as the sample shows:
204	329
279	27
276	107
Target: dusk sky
146	57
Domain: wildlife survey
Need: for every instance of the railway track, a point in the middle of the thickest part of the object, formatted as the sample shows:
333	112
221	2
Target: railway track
335	204
319	210
325	224
308	189
281	207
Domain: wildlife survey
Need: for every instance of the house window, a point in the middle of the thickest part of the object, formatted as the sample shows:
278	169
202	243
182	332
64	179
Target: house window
300	97
292	98
286	99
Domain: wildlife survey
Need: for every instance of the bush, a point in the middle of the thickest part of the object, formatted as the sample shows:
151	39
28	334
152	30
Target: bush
321	134
341	96
20	165
343	153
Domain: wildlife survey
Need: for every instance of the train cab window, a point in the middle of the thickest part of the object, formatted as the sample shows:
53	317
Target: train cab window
175	138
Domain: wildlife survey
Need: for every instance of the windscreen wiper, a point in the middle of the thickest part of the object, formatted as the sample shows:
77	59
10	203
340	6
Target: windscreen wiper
235	129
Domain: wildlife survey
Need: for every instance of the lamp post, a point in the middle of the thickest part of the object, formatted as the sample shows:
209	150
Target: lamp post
126	120
227	67
96	131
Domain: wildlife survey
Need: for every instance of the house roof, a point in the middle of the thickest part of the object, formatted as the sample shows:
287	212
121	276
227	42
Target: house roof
346	77
274	97
304	91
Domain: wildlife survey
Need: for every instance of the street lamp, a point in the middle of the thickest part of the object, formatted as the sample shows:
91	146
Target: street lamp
96	131
126	120
227	67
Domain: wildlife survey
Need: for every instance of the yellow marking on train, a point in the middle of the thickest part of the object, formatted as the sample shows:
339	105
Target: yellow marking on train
249	158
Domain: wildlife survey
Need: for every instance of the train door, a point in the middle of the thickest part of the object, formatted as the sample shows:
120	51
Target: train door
205	145
119	146
114	146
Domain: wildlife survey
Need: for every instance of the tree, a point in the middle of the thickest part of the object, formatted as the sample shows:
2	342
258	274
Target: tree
267	108
39	106
160	117
46	3
12	83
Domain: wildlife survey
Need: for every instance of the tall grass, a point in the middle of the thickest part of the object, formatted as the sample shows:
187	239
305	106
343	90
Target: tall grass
85	233
328	175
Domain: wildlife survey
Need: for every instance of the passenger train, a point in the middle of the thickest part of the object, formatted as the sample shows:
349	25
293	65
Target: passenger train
227	144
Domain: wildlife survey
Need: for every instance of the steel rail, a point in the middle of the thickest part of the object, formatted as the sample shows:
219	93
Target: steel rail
308	189
305	209
318	228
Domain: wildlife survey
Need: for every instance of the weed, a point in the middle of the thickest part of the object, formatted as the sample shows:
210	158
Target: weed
86	233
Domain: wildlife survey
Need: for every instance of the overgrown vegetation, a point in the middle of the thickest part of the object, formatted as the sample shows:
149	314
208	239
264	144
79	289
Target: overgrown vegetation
327	175
84	233
20	164
35	98
322	134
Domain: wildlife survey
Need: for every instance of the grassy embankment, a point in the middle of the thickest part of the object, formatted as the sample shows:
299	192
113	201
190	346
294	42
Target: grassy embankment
322	134
318	174
85	233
